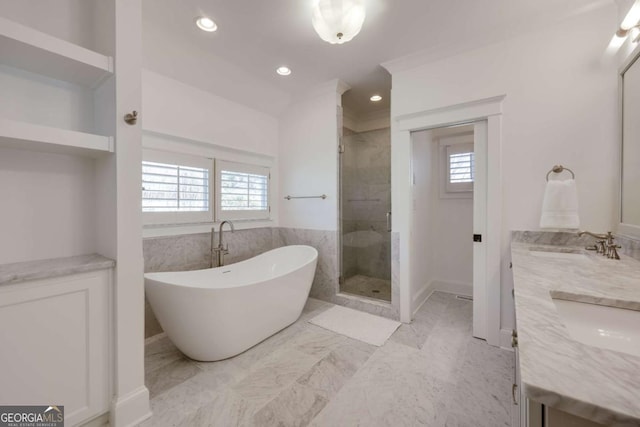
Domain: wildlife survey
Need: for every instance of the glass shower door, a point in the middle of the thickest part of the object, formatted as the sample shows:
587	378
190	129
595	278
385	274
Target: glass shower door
365	220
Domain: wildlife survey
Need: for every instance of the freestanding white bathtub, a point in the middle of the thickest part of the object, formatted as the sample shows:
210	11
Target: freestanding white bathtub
217	313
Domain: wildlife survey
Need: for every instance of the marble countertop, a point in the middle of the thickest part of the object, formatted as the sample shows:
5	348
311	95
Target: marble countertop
594	383
49	268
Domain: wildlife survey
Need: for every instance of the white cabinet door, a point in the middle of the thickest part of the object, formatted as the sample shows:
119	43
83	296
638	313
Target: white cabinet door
55	344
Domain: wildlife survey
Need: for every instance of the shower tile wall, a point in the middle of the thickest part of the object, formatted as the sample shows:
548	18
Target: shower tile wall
193	251
325	282
366	199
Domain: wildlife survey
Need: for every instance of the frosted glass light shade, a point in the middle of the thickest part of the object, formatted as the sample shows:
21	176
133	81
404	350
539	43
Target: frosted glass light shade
338	21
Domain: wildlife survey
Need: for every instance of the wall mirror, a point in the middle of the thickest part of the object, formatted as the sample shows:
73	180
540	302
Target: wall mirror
630	154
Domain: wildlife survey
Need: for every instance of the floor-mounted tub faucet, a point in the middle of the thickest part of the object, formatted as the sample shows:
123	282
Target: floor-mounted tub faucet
218	252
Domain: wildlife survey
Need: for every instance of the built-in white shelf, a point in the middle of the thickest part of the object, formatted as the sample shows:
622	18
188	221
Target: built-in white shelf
32	50
28	136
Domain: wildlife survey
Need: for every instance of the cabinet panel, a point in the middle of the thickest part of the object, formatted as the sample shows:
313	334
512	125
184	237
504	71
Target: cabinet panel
55	341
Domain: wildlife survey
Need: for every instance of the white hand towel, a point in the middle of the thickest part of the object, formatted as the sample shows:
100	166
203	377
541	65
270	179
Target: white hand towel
560	205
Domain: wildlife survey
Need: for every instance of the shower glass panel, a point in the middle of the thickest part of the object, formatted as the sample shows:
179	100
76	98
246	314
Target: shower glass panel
365	220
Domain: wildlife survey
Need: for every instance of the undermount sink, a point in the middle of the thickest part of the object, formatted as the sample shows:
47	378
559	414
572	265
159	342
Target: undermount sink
559	253
611	328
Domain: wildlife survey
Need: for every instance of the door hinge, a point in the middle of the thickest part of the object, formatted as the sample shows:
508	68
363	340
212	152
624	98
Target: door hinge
341	280
341	149
477	237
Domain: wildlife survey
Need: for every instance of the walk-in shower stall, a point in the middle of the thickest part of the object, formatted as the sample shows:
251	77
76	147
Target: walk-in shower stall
365	217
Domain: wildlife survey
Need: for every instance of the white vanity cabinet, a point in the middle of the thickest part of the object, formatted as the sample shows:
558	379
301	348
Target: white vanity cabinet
62	354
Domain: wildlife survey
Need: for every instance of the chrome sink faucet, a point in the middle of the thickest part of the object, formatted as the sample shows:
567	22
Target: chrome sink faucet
218	252
605	244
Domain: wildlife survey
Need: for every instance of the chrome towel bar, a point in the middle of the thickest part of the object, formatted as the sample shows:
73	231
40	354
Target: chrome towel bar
323	196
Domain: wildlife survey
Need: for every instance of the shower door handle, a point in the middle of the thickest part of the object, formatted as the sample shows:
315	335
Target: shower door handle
389	221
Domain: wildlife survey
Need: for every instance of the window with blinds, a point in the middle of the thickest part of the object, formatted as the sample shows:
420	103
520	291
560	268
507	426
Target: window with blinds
242	191
174	188
459	167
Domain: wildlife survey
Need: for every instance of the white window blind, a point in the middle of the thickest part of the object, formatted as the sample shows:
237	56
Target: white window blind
176	188
461	167
242	191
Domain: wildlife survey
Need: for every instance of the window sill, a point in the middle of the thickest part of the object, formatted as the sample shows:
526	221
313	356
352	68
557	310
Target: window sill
162	230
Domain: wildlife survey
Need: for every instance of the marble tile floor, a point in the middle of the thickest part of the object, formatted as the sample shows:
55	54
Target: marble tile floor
366	286
429	373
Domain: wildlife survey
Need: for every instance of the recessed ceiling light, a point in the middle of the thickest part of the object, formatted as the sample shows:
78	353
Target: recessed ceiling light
206	24
376	98
283	70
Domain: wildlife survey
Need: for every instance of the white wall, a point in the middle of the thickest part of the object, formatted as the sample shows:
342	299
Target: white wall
32	98
308	158
560	107
422	237
44	210
176	108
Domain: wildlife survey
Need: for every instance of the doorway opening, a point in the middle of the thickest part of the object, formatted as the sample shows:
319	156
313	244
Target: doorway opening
486	116
449	171
443	164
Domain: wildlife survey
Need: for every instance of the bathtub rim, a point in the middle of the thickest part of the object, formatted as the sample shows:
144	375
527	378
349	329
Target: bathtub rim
248	283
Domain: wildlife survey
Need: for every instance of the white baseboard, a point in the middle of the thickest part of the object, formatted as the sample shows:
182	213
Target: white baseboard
457	288
130	409
505	339
422	296
99	421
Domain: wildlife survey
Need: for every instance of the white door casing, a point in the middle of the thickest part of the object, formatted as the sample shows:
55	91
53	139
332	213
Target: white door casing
489	110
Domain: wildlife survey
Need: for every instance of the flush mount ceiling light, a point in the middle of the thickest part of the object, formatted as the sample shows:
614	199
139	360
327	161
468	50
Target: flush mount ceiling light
338	21
206	24
283	70
376	98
